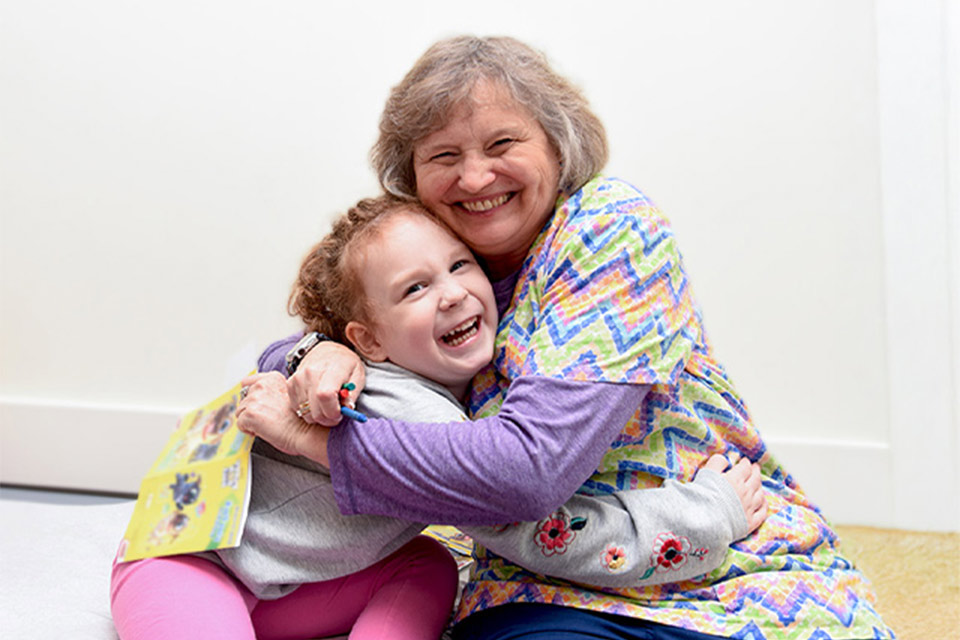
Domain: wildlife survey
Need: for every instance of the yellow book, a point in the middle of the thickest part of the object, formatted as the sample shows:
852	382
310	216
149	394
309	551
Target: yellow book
195	496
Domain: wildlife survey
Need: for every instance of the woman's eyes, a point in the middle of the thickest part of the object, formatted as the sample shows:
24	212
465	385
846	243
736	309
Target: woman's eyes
497	146
443	155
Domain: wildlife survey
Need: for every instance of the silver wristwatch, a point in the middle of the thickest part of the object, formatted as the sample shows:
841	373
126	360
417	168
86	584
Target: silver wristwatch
302	348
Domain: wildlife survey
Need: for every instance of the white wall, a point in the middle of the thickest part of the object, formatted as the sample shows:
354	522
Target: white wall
165	165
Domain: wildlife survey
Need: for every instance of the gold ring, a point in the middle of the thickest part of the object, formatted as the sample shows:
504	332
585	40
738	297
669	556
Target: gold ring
304	408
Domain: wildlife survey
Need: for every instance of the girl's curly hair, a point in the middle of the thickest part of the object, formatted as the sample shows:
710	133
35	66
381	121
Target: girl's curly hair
328	292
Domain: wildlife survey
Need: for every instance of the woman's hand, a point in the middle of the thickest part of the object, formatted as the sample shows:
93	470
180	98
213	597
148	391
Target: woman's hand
744	476
314	389
265	412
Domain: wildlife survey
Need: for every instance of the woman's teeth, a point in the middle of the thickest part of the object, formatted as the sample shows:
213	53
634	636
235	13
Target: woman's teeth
478	206
462	332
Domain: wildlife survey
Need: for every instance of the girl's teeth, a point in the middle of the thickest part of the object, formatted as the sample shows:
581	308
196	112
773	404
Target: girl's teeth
485	205
461	333
461	339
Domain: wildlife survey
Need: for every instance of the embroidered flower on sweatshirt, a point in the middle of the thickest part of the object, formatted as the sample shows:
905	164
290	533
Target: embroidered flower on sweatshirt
613	558
555	532
670	552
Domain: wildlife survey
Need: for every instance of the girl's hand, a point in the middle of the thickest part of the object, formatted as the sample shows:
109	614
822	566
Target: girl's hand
744	476
265	412
314	389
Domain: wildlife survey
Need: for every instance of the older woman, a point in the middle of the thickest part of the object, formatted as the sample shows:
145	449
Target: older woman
602	380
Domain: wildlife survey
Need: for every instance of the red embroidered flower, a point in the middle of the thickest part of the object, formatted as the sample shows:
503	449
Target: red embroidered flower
613	558
670	552
554	533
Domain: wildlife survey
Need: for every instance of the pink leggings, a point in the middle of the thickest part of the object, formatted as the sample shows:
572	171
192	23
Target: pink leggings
406	595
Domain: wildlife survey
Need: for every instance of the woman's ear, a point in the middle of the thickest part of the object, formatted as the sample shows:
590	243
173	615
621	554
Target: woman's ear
365	340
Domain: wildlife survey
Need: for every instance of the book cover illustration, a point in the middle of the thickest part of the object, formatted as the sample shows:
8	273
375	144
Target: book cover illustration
459	543
195	496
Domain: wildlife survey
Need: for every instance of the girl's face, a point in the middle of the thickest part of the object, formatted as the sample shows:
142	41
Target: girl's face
433	309
491	175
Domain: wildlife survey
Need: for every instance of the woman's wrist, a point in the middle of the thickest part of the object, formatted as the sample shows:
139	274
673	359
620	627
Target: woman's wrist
312	443
296	355
324	371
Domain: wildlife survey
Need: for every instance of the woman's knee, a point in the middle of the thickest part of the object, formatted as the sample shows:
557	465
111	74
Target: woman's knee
542	621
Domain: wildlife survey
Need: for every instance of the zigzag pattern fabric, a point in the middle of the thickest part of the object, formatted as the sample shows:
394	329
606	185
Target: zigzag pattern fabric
603	296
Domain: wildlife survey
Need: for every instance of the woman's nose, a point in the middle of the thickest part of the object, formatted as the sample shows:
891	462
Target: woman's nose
476	173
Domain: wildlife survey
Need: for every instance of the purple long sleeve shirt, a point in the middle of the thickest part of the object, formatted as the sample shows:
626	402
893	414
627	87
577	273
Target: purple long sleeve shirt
521	464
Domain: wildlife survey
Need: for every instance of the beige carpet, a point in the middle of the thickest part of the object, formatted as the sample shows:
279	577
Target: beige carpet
916	577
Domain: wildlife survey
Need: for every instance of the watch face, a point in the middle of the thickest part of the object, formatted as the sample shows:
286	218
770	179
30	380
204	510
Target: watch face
307	343
295	355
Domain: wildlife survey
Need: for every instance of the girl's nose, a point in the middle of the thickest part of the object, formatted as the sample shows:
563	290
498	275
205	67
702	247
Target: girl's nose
476	173
453	294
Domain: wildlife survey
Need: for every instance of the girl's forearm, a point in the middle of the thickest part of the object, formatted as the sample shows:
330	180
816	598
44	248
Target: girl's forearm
617	540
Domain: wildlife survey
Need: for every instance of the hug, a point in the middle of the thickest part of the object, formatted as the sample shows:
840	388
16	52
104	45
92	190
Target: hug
522	334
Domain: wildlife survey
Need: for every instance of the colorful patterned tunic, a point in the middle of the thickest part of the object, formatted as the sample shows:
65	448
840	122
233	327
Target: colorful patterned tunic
603	296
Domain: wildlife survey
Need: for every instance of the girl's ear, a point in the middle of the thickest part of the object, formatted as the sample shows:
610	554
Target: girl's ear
365	340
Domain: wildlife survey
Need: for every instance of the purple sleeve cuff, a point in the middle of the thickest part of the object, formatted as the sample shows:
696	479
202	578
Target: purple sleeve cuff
521	464
274	357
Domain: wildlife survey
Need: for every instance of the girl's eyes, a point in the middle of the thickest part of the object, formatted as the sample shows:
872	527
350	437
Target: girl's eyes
413	289
420	286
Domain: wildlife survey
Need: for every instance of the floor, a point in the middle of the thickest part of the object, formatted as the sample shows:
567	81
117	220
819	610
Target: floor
916	575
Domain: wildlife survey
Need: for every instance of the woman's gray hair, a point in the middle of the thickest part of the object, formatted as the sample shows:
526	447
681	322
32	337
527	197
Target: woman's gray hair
444	77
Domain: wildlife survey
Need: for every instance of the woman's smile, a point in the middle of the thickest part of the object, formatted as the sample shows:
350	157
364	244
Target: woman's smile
487	204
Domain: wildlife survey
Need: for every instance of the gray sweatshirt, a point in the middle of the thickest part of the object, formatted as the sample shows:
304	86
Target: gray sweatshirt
295	532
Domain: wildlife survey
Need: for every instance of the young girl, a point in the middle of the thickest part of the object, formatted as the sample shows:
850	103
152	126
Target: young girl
412	300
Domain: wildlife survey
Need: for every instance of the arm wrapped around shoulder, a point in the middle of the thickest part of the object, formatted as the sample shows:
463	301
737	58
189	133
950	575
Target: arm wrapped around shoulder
520	464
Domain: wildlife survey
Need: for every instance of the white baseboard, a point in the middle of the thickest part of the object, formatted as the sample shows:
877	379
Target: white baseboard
85	447
102	448
852	482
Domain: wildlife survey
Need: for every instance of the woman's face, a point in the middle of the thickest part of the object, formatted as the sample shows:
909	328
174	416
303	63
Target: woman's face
492	175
